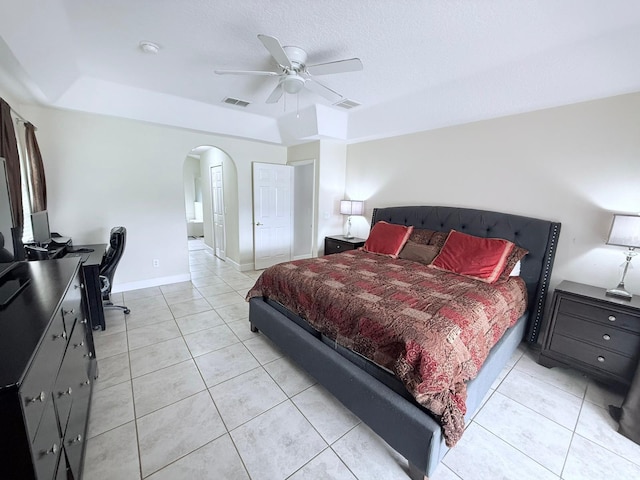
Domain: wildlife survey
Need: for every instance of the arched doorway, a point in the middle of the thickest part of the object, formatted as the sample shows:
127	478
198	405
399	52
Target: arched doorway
215	172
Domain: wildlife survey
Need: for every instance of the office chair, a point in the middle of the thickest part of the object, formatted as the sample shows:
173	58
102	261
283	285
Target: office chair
110	260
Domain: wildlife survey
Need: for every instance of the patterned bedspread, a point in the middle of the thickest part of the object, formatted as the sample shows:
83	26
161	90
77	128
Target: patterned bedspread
432	328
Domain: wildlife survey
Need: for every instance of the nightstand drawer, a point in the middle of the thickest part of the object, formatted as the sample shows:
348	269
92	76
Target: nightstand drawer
600	314
597	357
619	341
334	247
338	243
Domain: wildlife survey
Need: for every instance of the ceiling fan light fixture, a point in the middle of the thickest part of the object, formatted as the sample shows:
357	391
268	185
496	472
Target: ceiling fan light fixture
292	83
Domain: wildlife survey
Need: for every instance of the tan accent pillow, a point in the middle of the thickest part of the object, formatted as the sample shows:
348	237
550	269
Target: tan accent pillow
419	253
425	236
421	235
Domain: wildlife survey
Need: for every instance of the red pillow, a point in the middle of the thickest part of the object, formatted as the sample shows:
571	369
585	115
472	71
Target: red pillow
387	238
476	257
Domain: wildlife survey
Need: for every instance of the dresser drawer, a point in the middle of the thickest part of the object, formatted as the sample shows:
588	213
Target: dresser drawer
600	314
46	446
605	335
600	358
71	308
36	387
74	440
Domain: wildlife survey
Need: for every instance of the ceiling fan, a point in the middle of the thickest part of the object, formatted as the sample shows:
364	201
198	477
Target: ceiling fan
295	74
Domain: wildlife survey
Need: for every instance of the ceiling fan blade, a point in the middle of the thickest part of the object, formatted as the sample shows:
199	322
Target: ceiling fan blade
275	49
323	90
339	66
276	94
245	72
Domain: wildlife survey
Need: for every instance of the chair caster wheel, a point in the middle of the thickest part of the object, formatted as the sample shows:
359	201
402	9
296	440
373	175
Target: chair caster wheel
127	311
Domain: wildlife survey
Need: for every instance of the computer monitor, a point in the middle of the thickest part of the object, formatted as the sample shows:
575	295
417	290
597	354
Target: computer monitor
40	225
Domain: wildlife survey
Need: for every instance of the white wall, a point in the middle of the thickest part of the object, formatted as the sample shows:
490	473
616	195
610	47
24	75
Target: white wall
332	166
330	181
303	218
574	164
104	171
191	171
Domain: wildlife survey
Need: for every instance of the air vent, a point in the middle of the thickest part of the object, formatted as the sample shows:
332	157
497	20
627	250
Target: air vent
235	101
348	104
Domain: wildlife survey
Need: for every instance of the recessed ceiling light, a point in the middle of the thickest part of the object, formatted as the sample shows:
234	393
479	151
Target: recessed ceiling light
149	47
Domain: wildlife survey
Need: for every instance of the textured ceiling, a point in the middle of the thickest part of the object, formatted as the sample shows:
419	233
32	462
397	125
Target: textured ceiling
427	63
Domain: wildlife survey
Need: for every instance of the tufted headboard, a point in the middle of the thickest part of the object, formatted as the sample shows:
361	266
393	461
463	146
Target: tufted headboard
539	237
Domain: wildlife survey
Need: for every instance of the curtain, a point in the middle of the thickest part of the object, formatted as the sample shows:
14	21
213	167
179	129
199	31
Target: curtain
37	181
9	150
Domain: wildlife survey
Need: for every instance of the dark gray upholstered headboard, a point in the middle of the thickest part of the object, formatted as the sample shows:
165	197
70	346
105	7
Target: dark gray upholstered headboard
539	237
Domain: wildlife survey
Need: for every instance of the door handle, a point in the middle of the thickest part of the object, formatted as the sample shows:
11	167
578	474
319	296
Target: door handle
259	224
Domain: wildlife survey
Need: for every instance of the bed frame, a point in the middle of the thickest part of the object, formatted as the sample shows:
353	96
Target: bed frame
364	388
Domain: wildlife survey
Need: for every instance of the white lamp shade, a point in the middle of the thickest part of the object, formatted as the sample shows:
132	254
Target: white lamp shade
351	207
625	231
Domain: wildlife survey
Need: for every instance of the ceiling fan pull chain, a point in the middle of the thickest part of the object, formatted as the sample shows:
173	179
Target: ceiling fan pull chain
298	105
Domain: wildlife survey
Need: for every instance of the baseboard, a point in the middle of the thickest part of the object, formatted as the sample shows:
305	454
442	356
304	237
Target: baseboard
302	257
153	282
245	267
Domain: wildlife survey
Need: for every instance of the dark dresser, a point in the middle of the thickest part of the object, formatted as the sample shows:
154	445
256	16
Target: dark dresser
337	244
592	332
47	365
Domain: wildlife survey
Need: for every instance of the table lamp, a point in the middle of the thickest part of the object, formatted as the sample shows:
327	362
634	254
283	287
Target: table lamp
625	232
351	207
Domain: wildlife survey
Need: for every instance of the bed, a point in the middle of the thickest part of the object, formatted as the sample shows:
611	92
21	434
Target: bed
371	391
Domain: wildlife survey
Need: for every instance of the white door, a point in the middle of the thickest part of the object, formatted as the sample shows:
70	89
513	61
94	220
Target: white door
272	213
217	202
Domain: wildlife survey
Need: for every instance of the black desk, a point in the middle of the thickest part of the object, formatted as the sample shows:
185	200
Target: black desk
91	274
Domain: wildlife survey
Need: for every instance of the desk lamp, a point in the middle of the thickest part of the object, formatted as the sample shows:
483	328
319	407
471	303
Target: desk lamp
625	232
351	207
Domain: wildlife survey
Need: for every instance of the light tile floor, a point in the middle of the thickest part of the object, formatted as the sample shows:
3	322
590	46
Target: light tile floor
186	391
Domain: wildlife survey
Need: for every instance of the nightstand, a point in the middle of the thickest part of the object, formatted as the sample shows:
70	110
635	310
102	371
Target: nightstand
591	332
337	244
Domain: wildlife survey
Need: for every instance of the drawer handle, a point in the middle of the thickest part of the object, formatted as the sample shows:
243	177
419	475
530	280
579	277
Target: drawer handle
612	318
52	451
90	355
85	384
84	321
606	336
39	398
601	359
68	391
77	286
66	312
76	345
77	439
63	335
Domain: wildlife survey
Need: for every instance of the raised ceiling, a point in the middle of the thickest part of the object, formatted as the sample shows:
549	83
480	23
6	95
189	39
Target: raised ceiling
427	63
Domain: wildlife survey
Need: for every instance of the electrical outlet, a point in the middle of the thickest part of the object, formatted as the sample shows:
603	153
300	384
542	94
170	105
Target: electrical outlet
156	262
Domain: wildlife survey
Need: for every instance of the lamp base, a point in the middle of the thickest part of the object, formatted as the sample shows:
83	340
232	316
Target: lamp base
619	292
348	237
